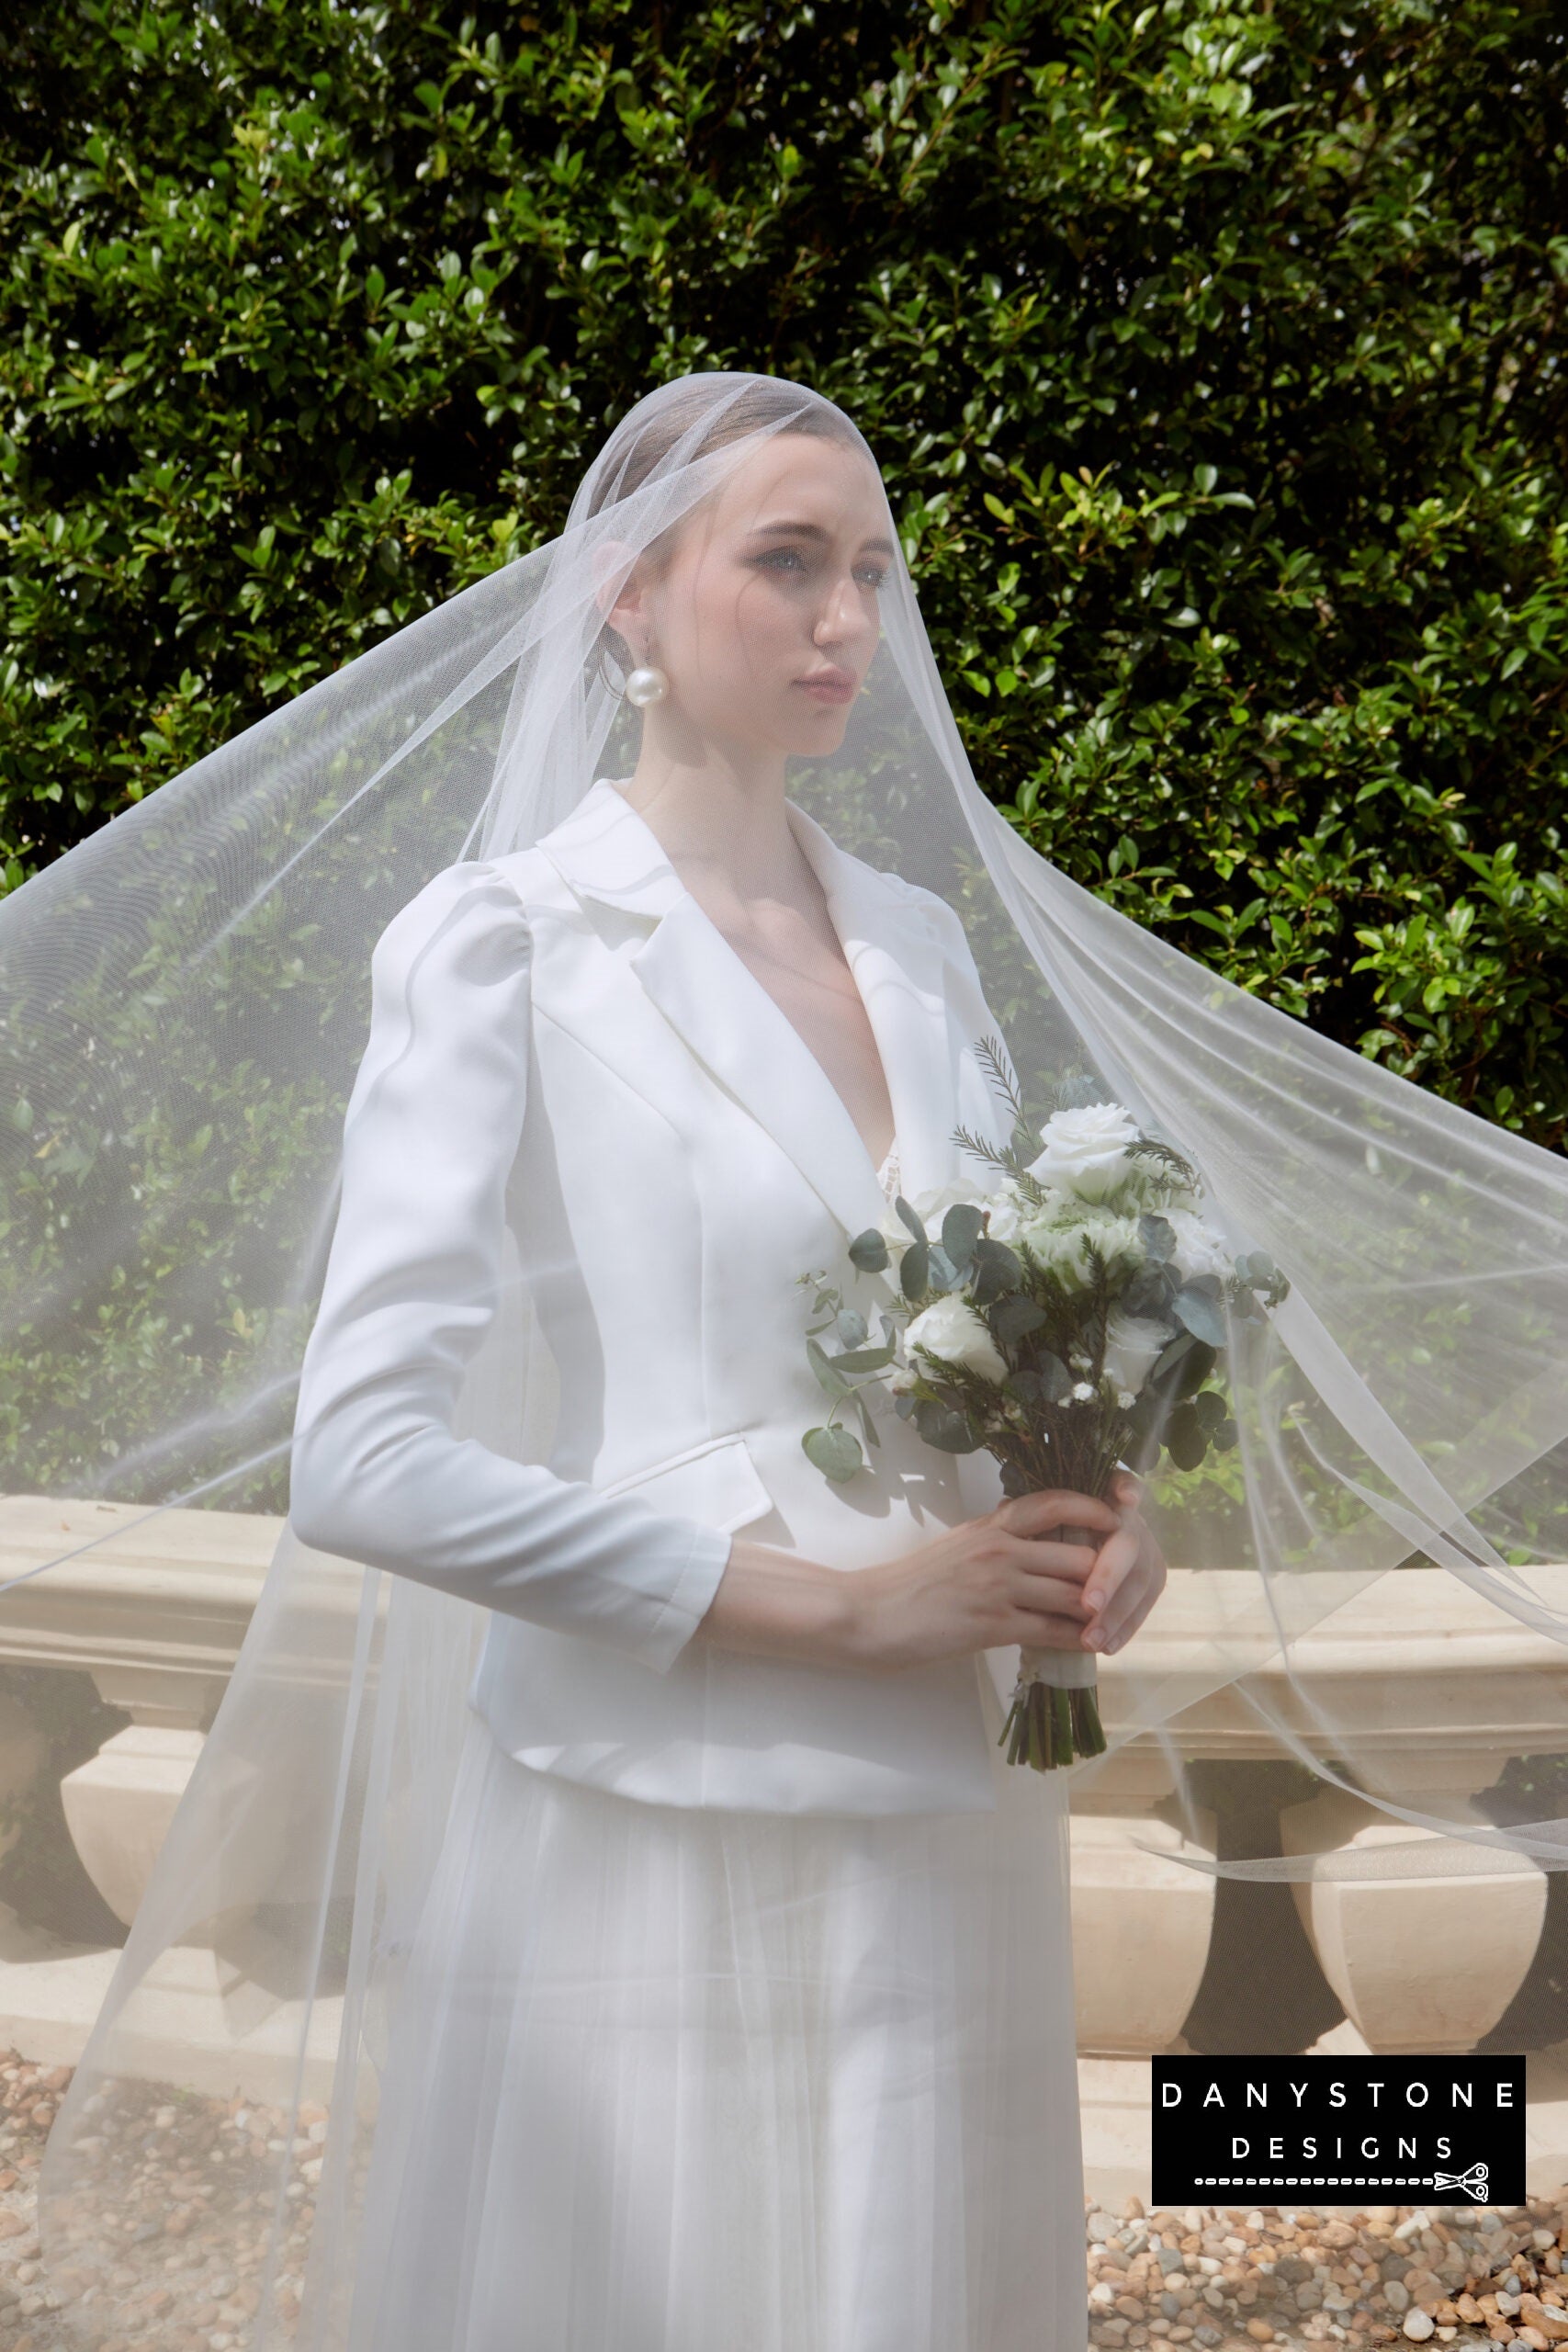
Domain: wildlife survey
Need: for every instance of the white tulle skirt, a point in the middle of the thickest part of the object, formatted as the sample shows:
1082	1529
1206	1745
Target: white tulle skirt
669	2079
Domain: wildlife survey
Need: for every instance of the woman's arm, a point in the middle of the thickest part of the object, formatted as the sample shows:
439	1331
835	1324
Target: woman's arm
413	1283
999	1578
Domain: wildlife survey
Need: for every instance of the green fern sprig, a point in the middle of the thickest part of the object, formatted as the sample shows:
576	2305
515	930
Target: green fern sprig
978	1148
1147	1148
993	1052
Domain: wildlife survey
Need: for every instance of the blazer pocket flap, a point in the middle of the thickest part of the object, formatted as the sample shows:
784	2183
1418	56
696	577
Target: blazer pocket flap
716	1482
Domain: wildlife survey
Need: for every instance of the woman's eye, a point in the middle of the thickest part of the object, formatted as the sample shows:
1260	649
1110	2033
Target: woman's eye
791	559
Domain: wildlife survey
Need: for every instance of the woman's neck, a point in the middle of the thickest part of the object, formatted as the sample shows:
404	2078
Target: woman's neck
723	823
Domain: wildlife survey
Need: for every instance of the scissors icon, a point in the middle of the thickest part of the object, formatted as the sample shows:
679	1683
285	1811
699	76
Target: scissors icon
1474	2181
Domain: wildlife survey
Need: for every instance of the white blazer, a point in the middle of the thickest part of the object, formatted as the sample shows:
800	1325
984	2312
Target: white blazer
574	1084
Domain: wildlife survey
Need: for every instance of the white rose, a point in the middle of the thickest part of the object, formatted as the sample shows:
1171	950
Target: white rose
1086	1151
1199	1248
951	1330
930	1206
1131	1344
1061	1246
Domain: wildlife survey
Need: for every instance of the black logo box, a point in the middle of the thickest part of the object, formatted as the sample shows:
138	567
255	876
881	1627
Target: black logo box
1273	2129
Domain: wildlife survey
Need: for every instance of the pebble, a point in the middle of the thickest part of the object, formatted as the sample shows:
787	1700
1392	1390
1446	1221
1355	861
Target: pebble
1357	2278
1211	2278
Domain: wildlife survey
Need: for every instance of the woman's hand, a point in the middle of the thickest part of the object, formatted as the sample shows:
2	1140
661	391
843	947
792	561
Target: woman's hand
1004	1578
1127	1576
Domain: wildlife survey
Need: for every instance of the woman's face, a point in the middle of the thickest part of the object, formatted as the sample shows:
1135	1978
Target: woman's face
765	617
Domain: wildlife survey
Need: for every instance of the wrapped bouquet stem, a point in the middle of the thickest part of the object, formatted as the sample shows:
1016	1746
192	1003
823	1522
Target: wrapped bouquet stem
1068	1319
1053	1717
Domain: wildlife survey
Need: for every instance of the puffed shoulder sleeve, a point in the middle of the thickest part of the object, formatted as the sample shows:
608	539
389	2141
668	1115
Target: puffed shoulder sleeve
413	1283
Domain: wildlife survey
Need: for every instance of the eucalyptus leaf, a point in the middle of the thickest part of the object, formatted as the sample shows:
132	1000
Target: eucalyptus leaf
870	1252
1170	1358
1150	1293
944	1426
909	1218
1142	1452
997	1269
914	1271
1186	1440
1158	1238
1195	1369
835	1452
960	1231
1201	1315
822	1365
1045	1380
1015	1317
940	1272
871	1359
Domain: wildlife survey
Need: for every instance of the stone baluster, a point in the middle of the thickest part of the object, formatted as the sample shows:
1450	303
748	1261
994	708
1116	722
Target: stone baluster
1421	1962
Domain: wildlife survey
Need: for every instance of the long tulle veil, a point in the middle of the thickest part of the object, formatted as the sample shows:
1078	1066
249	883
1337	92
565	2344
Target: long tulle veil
183	1005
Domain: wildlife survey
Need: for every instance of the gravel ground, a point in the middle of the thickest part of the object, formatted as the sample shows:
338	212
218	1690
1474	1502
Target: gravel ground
1219	2279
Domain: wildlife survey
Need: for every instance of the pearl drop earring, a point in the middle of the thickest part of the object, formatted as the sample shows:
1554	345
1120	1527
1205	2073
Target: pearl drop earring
644	685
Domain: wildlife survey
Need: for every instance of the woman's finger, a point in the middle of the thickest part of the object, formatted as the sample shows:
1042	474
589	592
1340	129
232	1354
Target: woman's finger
1113	1564
1055	1595
1041	1632
1048	1507
1137	1595
1039	1556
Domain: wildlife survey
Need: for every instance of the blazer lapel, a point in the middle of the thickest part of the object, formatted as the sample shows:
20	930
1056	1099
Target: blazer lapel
727	1018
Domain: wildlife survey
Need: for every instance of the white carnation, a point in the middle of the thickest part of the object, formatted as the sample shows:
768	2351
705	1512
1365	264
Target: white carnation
1009	1212
1061	1246
951	1330
1199	1248
1086	1150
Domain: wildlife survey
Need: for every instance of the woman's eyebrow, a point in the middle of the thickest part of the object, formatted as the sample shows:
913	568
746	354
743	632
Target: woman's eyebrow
813	531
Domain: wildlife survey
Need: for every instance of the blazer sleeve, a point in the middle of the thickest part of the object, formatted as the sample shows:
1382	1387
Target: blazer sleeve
413	1283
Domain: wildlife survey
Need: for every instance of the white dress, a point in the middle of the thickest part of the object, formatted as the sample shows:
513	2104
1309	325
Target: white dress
688	2079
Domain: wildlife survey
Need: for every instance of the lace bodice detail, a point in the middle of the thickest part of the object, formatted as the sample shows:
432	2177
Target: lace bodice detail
887	1175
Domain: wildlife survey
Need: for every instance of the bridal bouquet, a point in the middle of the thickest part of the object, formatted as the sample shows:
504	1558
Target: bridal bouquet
1067	1320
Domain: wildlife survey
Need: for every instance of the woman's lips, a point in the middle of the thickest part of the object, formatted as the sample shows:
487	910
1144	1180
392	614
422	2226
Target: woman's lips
829	686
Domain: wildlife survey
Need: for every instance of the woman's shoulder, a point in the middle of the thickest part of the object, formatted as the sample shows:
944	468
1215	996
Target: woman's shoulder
913	898
479	897
470	921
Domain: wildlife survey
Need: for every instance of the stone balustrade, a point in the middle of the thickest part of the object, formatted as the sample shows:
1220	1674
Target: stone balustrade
1443	1689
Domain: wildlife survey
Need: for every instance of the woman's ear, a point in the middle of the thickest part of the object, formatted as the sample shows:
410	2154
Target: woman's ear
620	597
628	617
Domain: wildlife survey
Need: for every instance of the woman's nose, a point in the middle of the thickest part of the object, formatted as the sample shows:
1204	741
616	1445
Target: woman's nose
843	615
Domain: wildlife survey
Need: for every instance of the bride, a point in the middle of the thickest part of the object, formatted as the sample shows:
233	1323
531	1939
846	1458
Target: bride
741	2013
599	1897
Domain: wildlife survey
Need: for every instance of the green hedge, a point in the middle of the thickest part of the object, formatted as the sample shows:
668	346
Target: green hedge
1214	355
